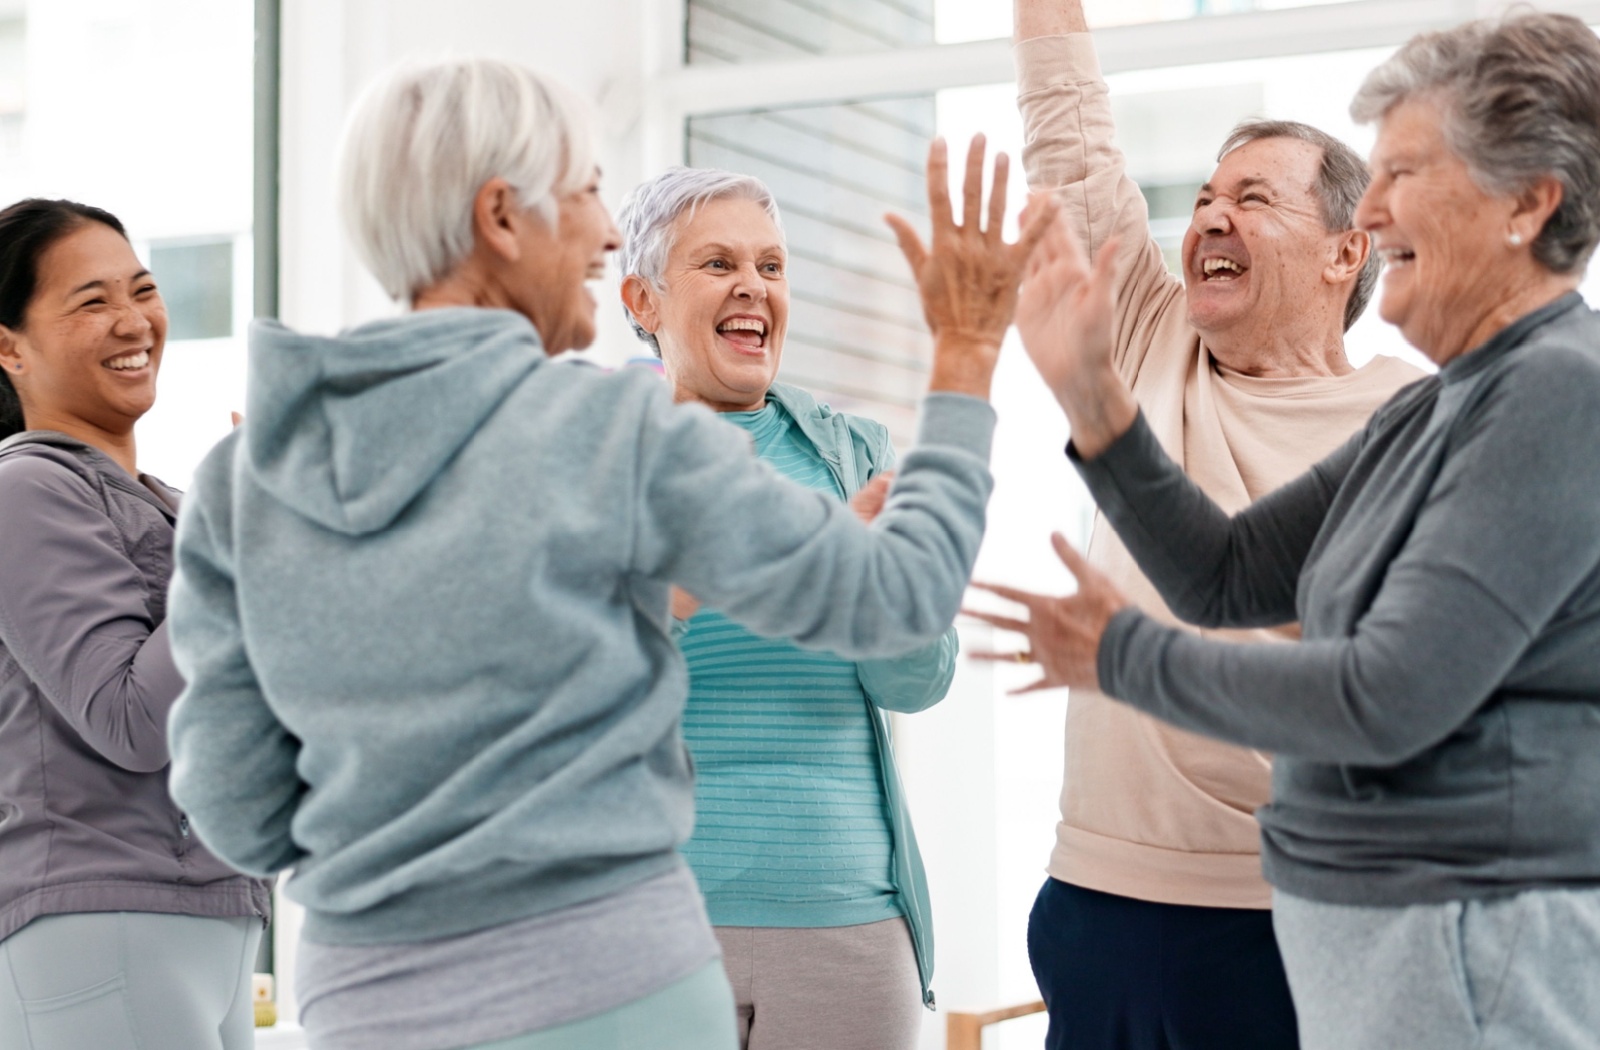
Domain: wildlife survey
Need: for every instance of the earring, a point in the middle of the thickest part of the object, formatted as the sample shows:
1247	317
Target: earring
1515	240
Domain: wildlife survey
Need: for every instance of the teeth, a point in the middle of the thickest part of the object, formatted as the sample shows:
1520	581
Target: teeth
743	324
1211	266
130	362
1395	256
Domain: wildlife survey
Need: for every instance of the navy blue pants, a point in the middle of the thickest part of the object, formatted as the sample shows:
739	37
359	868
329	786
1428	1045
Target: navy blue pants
1125	974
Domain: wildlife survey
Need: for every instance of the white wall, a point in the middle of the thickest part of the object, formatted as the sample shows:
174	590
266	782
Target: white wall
606	49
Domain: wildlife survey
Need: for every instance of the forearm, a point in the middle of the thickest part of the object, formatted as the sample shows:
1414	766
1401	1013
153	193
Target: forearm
125	717
1212	570
1396	686
1033	18
1099	408
915	681
798	564
233	772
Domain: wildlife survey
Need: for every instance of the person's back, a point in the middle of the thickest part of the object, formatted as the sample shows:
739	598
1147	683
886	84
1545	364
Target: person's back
422	596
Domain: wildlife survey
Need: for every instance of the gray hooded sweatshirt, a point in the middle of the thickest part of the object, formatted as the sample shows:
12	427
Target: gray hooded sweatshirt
86	680
421	605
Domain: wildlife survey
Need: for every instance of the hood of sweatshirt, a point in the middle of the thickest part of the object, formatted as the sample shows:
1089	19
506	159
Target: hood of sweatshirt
349	429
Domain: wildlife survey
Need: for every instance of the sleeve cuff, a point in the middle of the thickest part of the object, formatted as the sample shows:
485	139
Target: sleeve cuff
957	420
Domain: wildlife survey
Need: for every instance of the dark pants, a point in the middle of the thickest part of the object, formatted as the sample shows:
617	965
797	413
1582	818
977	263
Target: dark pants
1125	974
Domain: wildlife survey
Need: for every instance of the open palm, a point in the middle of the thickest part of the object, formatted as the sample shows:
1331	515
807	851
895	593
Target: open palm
1064	308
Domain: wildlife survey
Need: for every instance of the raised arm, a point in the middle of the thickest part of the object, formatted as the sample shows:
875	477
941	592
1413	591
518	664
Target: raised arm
233	762
1487	576
1070	151
922	677
1211	569
73	614
801	565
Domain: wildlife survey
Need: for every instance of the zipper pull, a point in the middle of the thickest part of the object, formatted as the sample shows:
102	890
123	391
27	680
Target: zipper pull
183	825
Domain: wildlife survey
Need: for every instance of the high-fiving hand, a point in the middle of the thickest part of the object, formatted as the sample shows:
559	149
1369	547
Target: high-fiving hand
968	275
1063	632
1064	315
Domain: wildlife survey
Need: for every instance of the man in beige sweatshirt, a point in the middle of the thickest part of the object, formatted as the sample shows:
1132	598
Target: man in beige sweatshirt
1154	928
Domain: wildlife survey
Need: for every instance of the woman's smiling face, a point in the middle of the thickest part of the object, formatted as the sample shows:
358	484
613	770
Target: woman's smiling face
722	309
1443	239
92	337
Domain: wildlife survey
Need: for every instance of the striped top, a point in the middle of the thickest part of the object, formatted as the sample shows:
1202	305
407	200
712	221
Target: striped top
792	822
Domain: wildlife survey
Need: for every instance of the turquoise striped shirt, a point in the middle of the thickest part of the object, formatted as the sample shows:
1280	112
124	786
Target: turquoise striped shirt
792	822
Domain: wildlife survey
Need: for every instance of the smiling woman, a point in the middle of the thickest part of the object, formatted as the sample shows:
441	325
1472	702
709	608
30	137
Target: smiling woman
97	865
817	893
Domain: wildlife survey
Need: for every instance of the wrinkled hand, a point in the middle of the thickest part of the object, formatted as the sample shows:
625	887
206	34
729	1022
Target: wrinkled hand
968	275
1064	317
869	498
684	604
1063	633
1064	309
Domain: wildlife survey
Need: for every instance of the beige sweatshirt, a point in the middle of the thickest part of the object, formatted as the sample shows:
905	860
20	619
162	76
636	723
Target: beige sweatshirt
1147	810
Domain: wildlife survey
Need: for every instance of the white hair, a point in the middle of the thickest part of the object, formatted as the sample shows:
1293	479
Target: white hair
423	139
651	212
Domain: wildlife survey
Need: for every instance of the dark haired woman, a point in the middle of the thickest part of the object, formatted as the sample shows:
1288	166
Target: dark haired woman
117	928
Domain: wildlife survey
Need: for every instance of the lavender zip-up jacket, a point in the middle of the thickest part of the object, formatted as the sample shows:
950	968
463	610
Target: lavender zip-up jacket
86	679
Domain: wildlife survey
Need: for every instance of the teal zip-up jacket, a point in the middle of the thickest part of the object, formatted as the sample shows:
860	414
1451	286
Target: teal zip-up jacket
857	450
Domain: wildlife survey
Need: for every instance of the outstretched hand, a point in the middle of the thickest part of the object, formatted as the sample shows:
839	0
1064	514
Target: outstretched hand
967	275
1064	310
1064	316
1063	632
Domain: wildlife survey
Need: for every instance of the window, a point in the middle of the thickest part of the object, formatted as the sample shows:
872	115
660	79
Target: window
797	123
178	174
196	281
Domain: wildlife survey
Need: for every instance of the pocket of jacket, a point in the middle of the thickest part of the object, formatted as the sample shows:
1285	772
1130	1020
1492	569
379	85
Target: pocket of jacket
96	1016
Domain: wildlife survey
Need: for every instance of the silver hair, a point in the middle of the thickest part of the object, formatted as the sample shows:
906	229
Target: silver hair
651	212
1342	178
423	139
1520	100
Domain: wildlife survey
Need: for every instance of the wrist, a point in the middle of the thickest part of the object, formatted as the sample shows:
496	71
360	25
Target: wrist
963	364
1100	408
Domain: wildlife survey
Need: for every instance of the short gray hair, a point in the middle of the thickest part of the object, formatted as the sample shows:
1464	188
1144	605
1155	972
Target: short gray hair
649	214
423	139
1520	98
1342	179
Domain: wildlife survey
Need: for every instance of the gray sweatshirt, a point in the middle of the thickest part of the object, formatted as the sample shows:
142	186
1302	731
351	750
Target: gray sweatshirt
1438	729
86	680
421	605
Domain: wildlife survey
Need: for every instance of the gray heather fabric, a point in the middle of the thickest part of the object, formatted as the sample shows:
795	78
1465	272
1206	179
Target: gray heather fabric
128	981
696	1013
525	976
1508	973
422	606
86	680
833	987
1438	730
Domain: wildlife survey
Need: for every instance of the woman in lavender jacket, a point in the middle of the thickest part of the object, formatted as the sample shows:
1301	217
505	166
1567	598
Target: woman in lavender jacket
118	929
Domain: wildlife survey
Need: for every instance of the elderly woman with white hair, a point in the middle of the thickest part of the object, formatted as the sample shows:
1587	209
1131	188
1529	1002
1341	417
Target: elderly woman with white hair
803	844
421	599
1434	832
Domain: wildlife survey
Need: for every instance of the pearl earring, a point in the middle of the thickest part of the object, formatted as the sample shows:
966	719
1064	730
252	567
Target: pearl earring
1515	240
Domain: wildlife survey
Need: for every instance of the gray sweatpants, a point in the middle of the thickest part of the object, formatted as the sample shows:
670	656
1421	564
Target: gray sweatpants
839	987
1509	973
128	981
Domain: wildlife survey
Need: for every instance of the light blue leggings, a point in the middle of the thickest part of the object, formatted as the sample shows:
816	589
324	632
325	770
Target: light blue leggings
128	981
696	1013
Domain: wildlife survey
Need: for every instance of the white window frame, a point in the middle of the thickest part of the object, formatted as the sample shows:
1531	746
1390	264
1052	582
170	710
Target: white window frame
678	91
